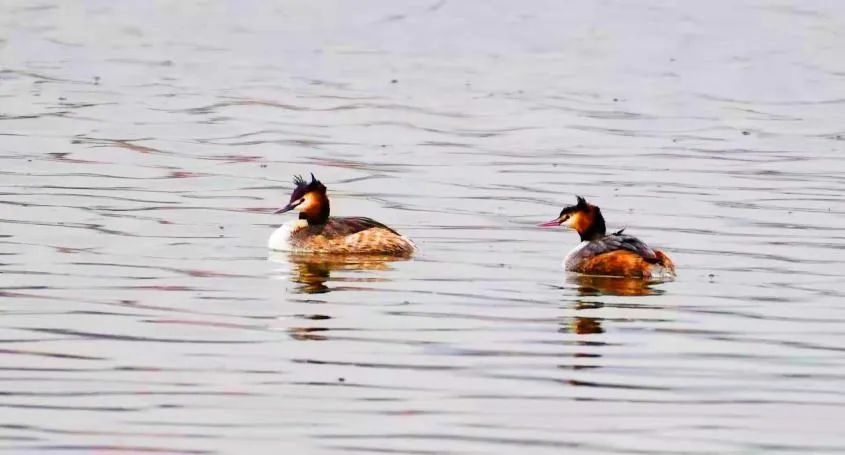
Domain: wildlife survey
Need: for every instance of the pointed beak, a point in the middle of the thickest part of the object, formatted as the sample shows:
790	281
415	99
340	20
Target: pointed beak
288	207
553	223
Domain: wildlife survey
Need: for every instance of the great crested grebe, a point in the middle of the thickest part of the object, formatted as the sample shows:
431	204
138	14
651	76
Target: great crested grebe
316	232
615	254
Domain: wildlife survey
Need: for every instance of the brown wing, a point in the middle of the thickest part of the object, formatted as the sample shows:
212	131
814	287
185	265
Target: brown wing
344	226
617	263
352	235
379	241
620	241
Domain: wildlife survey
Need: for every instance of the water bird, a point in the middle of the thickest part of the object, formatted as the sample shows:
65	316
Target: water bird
615	254
317	232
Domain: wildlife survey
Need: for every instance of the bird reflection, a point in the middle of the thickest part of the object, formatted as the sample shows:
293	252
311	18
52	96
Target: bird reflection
586	327
311	272
591	285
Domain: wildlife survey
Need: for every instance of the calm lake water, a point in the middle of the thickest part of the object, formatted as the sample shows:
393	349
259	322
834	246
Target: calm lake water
144	145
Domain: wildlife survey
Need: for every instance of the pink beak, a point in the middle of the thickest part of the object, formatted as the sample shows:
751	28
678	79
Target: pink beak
553	223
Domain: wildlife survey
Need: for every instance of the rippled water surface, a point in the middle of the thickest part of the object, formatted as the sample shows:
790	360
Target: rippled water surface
143	146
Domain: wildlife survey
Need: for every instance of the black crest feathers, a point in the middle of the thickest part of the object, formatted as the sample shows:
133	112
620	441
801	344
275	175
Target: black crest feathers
580	206
303	187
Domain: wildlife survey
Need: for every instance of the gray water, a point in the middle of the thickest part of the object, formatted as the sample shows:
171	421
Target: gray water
145	144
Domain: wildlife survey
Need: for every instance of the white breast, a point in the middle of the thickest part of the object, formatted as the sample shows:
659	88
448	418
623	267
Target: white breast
280	238
570	262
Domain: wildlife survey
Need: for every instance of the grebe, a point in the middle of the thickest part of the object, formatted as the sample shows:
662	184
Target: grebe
316	232
616	254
